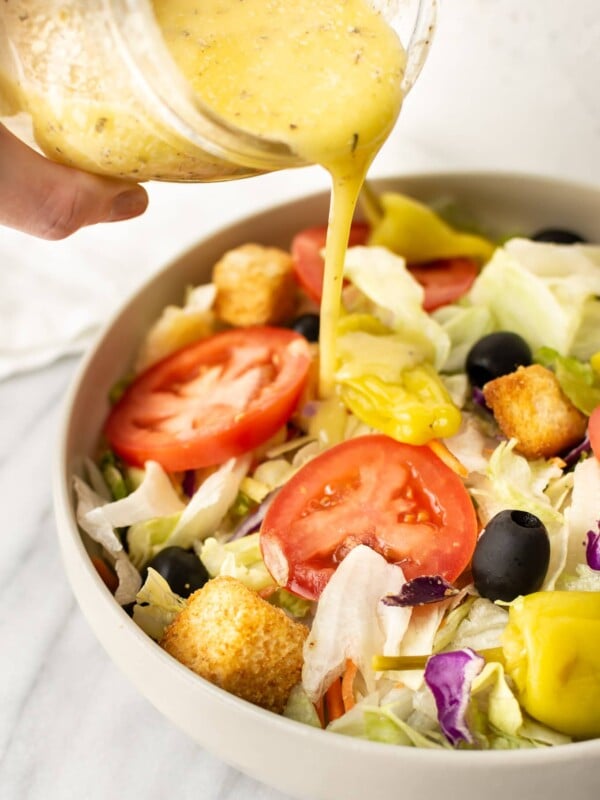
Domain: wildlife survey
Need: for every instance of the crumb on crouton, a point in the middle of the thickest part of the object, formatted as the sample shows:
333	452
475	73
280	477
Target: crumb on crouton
232	637
530	406
255	286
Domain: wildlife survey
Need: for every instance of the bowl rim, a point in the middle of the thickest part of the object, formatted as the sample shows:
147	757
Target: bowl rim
70	538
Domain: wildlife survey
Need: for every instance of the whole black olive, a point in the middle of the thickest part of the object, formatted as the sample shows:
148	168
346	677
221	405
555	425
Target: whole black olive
307	325
182	570
511	556
558	236
496	354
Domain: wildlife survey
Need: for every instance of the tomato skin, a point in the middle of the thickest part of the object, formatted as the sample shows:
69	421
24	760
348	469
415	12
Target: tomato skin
399	499
306	254
594	431
444	281
166	414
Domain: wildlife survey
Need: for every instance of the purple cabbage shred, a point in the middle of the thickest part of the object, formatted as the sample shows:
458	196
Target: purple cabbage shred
449	677
592	549
188	482
253	521
572	456
420	591
478	398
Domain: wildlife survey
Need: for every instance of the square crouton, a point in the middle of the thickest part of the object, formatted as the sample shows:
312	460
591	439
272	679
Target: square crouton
530	406
232	637
255	286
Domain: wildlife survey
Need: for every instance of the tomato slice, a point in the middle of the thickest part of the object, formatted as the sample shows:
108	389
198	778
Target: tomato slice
306	254
217	398
399	499
444	281
594	431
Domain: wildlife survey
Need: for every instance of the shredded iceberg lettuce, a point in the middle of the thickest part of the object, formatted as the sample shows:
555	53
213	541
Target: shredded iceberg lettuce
555	284
503	709
241	559
101	531
351	623
300	708
156	605
189	523
481	627
154	497
511	481
393	296
178	326
578	380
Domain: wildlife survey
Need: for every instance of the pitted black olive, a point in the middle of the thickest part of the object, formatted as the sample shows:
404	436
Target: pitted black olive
495	355
511	556
182	570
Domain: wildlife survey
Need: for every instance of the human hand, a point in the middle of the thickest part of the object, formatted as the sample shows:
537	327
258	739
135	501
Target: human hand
52	201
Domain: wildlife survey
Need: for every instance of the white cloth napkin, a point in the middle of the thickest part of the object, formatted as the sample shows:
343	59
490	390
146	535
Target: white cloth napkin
55	295
51	301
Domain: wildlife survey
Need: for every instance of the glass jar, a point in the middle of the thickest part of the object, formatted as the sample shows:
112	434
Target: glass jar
102	92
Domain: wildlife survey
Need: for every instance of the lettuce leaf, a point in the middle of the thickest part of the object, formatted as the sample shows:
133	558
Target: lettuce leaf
511	481
178	326
578	380
156	605
241	559
555	284
299	708
195	521
155	497
351	623
464	325
503	709
392	295
101	531
481	627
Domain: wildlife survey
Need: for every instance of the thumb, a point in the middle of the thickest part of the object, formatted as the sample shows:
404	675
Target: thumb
52	201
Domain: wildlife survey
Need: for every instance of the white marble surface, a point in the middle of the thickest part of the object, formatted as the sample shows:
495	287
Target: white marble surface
509	85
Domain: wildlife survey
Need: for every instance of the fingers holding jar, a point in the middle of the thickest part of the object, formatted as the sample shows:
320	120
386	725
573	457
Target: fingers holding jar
52	201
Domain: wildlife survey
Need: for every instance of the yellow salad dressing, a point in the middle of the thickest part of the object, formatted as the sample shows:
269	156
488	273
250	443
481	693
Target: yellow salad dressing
322	77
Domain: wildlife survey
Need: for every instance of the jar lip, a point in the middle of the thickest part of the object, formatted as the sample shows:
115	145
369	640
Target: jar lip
134	28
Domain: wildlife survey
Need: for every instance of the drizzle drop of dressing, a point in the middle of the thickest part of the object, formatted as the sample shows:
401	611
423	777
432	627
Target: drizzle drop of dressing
324	78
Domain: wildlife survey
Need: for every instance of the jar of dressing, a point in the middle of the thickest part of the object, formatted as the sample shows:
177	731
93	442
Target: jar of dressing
205	90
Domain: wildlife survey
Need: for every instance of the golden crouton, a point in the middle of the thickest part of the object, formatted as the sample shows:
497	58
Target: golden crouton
255	286
232	637
530	406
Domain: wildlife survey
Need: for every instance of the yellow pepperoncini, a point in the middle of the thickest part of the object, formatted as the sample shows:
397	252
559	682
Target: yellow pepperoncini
416	409
386	380
412	229
551	651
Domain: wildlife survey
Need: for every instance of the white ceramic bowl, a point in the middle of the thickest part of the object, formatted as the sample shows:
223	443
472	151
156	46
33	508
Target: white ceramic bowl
297	759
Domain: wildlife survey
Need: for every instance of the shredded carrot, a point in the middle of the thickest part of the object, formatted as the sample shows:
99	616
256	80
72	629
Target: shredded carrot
450	460
348	685
334	704
109	578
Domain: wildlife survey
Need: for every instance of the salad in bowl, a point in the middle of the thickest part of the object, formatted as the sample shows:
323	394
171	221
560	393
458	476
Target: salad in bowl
413	560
